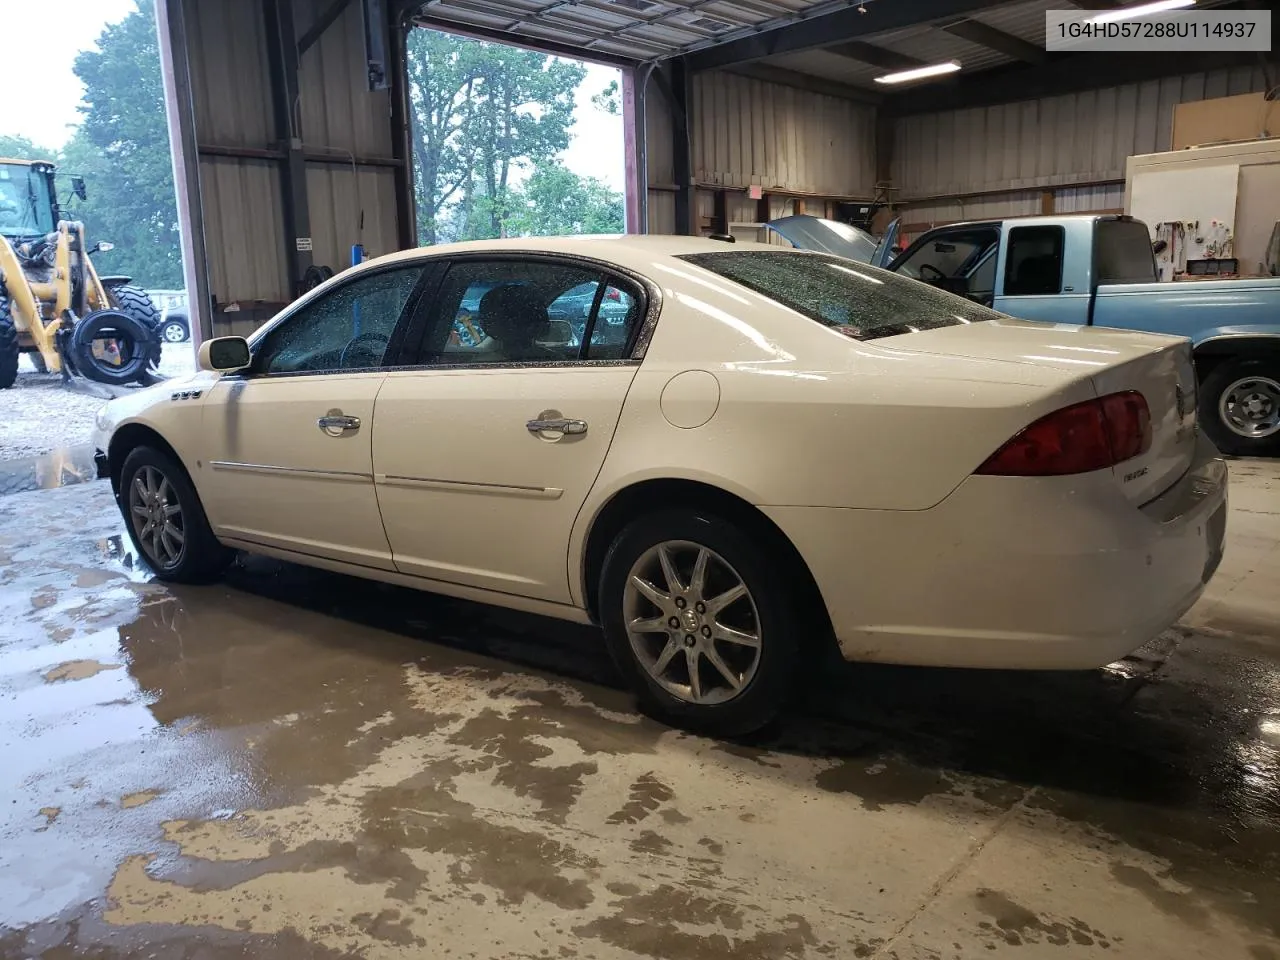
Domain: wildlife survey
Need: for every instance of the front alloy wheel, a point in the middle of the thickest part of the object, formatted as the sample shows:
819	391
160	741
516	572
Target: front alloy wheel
692	623
157	518
174	332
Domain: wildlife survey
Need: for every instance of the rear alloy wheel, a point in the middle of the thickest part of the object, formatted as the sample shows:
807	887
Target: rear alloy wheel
700	622
1240	407
166	520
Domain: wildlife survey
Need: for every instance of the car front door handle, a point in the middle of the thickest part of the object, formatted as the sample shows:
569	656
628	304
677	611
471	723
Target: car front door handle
557	425
336	423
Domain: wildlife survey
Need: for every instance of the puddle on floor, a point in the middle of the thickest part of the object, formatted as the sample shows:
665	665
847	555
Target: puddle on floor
61	468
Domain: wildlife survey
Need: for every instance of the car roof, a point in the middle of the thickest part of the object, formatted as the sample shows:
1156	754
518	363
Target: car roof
622	248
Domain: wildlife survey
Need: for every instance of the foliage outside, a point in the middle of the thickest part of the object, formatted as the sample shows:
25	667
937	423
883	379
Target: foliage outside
489	123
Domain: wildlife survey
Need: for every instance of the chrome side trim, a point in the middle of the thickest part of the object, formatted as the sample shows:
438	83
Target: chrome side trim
466	486
236	466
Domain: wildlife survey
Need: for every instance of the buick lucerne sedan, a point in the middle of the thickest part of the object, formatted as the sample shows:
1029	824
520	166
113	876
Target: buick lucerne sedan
752	452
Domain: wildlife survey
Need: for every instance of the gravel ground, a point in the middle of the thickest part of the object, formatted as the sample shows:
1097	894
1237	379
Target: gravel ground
40	414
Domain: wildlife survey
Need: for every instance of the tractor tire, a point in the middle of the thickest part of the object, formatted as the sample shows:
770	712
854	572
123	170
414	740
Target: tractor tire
114	324
134	301
8	345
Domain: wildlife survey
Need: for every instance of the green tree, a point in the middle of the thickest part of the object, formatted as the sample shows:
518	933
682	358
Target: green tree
122	150
21	148
556	201
481	111
608	100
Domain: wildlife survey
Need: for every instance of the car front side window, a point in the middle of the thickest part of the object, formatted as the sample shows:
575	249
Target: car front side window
347	328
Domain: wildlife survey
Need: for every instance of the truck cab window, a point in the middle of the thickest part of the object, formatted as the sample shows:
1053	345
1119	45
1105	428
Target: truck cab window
1033	265
945	259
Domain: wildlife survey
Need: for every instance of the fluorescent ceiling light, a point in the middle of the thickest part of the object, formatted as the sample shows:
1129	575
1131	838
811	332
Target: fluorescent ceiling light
1142	10
919	73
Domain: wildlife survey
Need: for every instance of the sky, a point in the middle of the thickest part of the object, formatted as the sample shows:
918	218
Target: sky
47	112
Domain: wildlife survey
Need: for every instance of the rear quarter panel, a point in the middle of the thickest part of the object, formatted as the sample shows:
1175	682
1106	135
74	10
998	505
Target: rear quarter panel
803	416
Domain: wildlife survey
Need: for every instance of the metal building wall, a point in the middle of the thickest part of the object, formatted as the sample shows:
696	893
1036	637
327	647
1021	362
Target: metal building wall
346	136
1080	138
749	132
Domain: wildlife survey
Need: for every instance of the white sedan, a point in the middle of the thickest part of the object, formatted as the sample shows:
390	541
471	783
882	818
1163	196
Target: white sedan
765	452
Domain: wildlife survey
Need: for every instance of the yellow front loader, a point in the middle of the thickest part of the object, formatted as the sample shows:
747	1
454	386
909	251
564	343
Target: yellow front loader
53	305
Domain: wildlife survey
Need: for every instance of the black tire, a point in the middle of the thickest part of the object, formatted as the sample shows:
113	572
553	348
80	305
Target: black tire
134	301
118	325
8	345
202	558
778	622
1215	385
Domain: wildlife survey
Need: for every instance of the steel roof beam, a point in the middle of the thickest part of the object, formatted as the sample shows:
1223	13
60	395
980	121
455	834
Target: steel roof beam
806	82
874	56
845	24
977	32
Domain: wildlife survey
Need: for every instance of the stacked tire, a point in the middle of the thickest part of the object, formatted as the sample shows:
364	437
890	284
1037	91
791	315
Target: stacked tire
135	303
8	344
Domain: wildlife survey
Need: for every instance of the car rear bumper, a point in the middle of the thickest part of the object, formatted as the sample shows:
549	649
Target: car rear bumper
1015	573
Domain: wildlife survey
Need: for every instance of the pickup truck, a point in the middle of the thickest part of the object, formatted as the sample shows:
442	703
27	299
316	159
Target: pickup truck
1100	270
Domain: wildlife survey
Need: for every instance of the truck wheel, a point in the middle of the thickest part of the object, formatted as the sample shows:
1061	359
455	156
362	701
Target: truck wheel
8	345
1239	407
134	301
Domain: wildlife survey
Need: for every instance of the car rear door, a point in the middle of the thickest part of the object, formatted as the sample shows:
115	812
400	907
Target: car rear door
484	454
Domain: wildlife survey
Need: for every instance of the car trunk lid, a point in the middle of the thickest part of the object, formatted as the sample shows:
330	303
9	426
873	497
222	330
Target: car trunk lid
1115	361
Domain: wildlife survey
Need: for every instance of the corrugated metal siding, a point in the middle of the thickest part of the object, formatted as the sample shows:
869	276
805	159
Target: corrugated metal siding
1089	199
1076	138
242	200
340	198
338	110
750	132
242	229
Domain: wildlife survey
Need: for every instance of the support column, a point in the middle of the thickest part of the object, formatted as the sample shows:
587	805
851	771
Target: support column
175	71
676	86
282	51
402	136
635	82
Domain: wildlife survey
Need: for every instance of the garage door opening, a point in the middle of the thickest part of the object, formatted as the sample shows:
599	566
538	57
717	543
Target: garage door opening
509	142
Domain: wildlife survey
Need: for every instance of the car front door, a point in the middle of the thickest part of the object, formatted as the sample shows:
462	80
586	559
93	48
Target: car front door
485	451
289	451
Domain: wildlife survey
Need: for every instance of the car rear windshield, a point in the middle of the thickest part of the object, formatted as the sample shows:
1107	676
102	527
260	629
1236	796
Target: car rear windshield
860	301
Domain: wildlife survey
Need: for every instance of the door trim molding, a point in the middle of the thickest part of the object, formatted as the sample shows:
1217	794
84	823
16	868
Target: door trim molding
467	486
340	475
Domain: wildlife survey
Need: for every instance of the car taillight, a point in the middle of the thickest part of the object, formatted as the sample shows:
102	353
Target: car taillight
612	295
1077	439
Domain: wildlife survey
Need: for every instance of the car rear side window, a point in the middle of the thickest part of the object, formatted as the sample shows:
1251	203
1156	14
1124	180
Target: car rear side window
528	311
860	301
1033	265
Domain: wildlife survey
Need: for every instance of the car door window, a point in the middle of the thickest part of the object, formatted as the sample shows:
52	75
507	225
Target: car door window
1033	264
616	319
982	282
525	311
347	328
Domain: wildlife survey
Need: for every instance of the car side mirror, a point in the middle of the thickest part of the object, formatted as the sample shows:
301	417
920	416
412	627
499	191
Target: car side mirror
225	354
77	187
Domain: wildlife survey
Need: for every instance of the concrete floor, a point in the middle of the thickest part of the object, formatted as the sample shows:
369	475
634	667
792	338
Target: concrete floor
298	765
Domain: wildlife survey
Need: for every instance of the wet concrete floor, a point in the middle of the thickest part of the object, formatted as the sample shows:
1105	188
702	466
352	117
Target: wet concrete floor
296	764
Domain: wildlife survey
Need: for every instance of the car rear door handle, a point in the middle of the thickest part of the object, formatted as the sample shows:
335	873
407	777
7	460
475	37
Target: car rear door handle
557	425
334	423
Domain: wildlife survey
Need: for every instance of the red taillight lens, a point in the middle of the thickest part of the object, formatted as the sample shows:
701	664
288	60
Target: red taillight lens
612	295
1077	439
